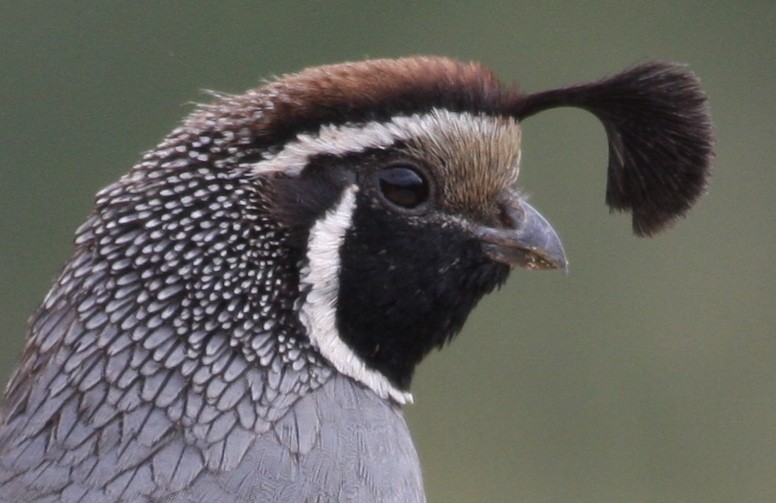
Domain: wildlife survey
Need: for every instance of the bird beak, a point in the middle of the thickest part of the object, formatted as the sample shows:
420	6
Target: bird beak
527	241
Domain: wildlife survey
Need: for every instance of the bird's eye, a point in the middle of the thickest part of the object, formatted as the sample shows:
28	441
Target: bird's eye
403	185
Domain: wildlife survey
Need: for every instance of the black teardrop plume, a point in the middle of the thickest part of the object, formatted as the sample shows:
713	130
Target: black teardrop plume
660	136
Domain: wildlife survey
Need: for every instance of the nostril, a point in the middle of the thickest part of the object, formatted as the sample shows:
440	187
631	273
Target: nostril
510	215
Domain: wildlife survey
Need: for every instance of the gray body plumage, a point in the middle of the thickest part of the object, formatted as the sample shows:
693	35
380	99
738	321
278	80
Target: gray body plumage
307	456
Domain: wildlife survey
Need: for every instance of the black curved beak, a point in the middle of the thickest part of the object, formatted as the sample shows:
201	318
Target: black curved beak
526	241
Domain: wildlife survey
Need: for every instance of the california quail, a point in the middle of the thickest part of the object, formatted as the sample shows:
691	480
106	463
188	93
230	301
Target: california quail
244	309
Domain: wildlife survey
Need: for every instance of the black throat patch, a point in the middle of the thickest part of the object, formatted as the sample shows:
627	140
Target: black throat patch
401	297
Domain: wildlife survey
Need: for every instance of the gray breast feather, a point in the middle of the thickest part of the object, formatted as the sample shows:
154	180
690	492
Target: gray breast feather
104	408
337	443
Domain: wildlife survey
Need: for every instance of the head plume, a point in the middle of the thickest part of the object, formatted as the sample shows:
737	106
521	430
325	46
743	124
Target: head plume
660	136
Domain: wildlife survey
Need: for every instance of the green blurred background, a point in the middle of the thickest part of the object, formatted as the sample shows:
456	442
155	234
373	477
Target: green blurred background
645	375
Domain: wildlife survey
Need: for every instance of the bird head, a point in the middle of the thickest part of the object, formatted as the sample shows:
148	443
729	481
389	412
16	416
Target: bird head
355	214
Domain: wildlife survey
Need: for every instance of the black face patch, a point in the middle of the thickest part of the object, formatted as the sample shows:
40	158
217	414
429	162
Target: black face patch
407	284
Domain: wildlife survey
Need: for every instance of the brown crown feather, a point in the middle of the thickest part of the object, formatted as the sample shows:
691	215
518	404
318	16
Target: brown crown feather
357	92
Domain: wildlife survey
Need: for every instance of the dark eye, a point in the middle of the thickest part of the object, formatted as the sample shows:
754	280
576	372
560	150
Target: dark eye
403	185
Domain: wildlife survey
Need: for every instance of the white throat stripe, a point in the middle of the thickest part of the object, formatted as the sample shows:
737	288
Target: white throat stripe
318	313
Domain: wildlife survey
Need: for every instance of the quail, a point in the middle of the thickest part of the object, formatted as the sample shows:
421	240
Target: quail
244	309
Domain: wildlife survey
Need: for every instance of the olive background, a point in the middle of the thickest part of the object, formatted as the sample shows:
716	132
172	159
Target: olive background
646	374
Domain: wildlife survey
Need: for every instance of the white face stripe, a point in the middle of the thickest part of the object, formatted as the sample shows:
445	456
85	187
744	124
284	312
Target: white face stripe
318	313
338	140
